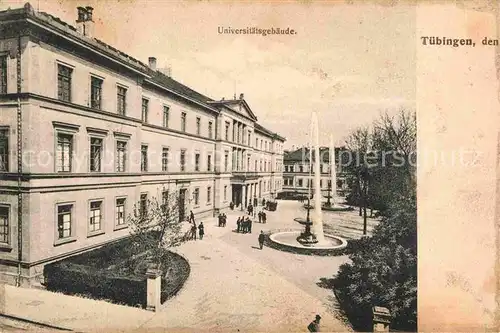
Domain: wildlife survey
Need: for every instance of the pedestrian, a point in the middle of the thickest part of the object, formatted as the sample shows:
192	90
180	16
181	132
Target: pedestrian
238	223
191	216
314	325
261	239
264	217
255	202
245	225
193	231
263	202
249	225
231	205
201	230
220	220
260	217
225	219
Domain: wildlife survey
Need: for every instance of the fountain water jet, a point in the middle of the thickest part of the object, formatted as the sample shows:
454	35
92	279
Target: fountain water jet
312	240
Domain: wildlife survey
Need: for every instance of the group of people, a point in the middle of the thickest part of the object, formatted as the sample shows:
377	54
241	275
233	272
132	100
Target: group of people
222	219
244	225
250	208
194	228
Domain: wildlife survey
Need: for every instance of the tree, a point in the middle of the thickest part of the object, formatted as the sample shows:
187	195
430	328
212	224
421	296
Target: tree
383	268
155	225
359	144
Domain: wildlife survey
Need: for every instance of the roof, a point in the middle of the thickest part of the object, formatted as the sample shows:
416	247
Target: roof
302	154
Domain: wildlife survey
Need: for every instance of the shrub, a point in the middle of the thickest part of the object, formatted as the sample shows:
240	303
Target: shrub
115	272
383	271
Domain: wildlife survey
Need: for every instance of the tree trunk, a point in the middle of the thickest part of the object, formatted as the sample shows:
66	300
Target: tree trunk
365	194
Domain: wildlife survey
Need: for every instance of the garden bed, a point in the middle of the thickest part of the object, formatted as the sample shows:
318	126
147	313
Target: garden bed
116	273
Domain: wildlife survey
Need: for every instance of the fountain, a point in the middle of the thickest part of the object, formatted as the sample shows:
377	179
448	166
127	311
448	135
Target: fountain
312	240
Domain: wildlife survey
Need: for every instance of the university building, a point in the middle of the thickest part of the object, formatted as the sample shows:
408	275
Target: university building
298	175
87	132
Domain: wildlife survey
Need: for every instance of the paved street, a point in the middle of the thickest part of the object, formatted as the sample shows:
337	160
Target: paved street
233	286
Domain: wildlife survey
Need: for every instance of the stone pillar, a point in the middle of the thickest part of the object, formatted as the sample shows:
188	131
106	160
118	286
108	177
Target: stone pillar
381	319
153	301
244	196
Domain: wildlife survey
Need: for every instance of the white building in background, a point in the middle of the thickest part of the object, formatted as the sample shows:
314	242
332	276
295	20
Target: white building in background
86	131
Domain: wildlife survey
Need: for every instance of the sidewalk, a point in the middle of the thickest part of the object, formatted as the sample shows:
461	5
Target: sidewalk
232	286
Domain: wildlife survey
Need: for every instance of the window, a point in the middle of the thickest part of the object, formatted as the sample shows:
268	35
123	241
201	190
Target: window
164	159
301	168
198	125
256	143
226	160
64	221
227	131
183	122
64	83
95	93
197	162
143	204
209	194
183	160
121	155
120	211
255	167
210	134
164	201
4	225
4	149
196	195
64	154
166	113
144	158
121	98
225	192
95	216
3	74
300	182
145	110
248	163
249	141
95	154
209	162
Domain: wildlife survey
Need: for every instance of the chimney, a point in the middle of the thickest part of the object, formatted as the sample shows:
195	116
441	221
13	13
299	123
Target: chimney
152	63
85	22
242	96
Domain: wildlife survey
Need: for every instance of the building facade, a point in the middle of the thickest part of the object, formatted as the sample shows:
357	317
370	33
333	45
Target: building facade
298	171
87	132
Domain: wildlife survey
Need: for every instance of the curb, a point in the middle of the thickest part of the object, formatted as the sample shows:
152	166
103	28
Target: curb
33	322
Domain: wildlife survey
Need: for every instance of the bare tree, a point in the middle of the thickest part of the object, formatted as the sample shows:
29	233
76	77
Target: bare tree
155	225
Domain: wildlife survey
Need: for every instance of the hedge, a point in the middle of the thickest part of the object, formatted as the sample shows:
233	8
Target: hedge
115	272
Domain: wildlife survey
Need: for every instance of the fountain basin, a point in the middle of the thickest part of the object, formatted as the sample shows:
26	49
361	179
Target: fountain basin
332	208
287	241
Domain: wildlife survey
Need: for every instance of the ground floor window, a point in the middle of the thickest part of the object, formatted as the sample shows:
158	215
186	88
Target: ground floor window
120	211
4	224
64	221
95	216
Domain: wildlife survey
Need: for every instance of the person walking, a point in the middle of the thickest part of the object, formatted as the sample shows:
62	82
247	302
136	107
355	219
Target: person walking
238	223
191	216
201	230
249	221
261	239
264	217
260	217
193	231
263	202
314	325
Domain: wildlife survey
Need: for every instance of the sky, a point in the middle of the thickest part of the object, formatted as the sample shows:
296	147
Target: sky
348	63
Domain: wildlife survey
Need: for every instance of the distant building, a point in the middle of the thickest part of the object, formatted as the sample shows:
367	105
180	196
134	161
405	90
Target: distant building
297	176
87	132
